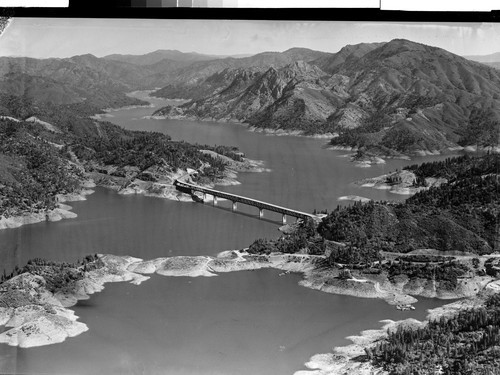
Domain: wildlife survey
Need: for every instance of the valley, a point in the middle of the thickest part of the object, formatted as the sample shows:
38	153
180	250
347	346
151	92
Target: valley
392	147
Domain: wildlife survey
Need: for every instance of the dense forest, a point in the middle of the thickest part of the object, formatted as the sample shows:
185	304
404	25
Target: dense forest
460	215
457	167
304	236
467	343
120	148
50	153
57	275
32	171
374	238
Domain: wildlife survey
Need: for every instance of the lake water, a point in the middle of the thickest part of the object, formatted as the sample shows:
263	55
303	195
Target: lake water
252	322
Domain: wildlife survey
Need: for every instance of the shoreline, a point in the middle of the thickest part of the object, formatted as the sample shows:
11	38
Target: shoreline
404	187
107	111
348	359
365	163
164	188
62	211
37	317
254	129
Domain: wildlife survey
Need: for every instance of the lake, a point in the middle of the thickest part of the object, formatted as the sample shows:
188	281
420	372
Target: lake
252	322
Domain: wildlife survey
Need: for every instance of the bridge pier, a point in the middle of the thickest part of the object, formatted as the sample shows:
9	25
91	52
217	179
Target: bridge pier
189	188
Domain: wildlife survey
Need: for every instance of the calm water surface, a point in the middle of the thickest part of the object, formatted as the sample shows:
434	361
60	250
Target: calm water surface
239	323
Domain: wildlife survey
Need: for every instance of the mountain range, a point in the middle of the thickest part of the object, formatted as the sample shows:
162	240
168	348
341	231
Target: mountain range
387	98
392	97
159	55
491	58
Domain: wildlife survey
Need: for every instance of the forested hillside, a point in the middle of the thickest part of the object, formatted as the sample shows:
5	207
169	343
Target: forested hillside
48	149
467	343
416	240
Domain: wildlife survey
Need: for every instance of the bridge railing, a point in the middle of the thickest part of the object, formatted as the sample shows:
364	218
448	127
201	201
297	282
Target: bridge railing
245	200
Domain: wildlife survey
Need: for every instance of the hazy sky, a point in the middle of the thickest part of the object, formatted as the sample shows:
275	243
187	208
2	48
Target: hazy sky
38	37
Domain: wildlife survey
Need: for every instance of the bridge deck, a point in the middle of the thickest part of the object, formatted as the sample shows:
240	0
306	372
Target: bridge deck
245	200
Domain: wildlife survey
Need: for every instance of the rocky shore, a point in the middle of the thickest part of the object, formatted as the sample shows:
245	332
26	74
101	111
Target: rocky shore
296	133
404	186
62	211
36	316
162	179
351	359
267	131
161	187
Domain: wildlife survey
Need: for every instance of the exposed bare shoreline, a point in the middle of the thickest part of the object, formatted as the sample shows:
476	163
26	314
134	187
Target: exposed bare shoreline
62	211
405	186
47	319
163	188
38	317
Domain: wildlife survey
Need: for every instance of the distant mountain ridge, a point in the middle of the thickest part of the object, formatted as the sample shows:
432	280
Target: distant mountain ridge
494	57
387	98
158	55
104	80
189	82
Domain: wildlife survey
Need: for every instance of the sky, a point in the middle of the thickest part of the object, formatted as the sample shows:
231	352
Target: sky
45	37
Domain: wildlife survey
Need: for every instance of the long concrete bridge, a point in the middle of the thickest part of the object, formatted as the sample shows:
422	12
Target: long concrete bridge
189	188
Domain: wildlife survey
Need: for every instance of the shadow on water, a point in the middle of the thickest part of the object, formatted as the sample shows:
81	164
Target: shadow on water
228	209
86	303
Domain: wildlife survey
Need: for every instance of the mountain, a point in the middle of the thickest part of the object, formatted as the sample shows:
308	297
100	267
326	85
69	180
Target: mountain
159	55
72	80
348	54
190	82
386	98
101	82
411	97
279	93
494	57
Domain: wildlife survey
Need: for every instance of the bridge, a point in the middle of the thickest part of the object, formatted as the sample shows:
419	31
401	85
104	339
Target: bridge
189	188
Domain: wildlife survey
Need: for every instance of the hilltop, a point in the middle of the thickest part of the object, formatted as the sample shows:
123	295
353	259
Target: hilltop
383	98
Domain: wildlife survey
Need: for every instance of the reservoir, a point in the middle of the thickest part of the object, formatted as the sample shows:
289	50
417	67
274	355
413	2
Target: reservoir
252	322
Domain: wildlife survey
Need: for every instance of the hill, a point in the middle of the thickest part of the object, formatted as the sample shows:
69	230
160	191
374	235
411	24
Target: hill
83	77
65	81
495	65
387	98
159	55
199	79
48	150
348	54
